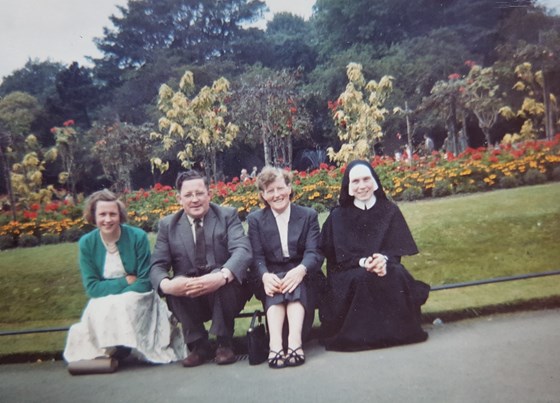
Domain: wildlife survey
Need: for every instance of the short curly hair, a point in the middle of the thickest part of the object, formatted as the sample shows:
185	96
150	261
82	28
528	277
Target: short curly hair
268	175
107	196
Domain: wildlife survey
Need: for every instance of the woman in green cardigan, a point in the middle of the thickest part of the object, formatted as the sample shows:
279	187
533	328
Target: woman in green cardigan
123	310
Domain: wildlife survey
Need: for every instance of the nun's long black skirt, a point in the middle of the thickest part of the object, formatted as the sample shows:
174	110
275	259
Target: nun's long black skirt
364	311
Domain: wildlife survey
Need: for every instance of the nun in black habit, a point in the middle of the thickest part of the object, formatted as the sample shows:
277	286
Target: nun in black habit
372	300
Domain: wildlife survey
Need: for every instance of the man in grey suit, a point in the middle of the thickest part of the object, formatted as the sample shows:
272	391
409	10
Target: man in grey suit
206	247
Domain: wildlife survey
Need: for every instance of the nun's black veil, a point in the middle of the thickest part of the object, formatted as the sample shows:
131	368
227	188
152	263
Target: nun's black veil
344	199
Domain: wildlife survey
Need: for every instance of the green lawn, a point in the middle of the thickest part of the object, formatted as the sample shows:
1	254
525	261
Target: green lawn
464	238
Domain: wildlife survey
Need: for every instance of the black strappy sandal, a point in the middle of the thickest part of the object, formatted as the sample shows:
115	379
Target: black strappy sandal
294	359
278	361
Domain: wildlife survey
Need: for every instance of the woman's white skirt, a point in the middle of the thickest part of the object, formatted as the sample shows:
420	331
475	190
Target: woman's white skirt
140	321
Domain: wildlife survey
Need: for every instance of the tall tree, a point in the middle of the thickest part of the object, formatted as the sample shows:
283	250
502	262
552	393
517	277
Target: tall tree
76	95
18	111
5	150
340	24
36	78
481	95
268	108
205	28
358	113
68	148
446	99
27	175
290	38
196	127
121	148
544	56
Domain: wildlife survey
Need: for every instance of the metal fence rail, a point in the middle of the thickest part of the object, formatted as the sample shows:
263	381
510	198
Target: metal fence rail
250	314
494	280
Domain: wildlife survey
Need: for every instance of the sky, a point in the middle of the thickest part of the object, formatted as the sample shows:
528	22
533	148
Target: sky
63	30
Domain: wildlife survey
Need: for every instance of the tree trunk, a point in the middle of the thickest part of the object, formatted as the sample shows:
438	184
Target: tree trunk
8	180
265	146
548	115
486	132
290	151
408	132
465	134
214	167
452	126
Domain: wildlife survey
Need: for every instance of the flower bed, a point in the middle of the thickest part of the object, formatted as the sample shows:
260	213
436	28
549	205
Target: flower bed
474	170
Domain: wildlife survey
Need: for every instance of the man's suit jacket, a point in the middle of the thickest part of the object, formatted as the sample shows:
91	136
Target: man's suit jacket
226	245
303	241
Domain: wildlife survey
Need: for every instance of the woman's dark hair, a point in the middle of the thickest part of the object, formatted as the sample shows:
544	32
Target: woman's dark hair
103	195
187	176
344	198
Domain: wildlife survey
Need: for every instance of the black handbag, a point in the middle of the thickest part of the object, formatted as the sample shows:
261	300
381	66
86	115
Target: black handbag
257	340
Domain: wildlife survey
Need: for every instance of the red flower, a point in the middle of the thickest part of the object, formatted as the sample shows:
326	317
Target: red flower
35	206
64	212
51	207
454	76
69	122
322	165
30	214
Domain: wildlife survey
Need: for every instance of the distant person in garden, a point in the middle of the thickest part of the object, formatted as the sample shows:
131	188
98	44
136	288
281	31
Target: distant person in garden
244	176
372	300
287	265
253	173
205	247
428	145
124	315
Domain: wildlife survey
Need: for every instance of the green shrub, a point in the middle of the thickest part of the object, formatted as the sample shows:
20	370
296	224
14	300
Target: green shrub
442	188
155	226
534	177
466	187
555	174
6	242
26	240
319	207
412	193
72	234
508	182
49	239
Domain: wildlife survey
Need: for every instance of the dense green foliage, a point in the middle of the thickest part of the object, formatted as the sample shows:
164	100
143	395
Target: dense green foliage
420	43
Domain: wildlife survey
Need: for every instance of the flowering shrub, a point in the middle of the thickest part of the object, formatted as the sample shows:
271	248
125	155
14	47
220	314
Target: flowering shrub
146	207
437	175
472	170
